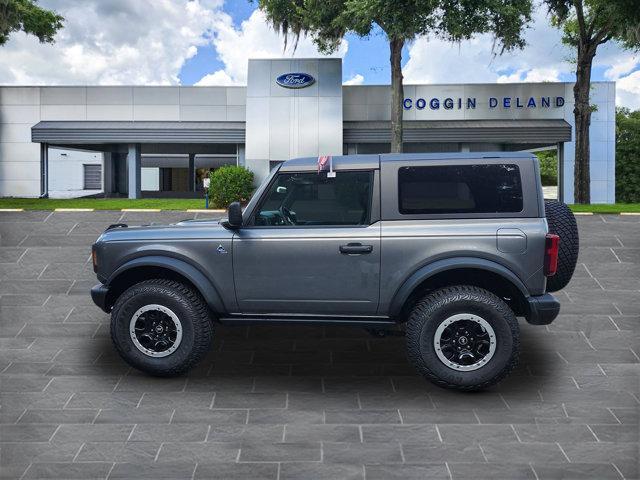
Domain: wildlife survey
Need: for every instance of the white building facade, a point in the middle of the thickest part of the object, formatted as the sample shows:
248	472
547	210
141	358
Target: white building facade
163	141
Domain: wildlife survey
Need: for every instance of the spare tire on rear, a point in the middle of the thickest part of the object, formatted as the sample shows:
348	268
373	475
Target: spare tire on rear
562	222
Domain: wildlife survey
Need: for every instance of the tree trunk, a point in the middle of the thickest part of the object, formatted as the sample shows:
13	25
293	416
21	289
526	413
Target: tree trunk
582	114
397	95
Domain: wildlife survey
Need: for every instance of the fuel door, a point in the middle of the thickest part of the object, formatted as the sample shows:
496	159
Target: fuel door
511	240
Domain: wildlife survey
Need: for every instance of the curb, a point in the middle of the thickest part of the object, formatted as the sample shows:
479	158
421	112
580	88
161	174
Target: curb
151	210
140	210
204	210
73	209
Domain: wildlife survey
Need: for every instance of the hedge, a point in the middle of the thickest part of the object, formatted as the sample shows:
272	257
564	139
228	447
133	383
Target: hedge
230	184
548	167
627	156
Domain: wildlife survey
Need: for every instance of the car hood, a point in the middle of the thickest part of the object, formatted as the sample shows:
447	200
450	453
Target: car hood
186	229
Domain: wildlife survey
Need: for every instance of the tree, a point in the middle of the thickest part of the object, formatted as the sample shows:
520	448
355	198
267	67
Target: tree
627	156
327	21
587	24
28	17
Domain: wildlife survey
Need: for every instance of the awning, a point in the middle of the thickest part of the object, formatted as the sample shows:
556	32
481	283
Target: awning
435	131
69	133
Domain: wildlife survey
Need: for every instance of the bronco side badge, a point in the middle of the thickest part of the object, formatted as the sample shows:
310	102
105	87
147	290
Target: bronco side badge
221	250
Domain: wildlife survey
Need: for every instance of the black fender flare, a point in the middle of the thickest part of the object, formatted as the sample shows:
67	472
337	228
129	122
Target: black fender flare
191	273
439	266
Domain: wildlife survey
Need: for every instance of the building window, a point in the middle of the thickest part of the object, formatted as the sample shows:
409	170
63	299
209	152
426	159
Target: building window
310	199
459	189
92	177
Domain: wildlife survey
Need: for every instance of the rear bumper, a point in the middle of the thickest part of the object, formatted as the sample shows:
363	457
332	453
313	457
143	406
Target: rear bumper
99	296
543	309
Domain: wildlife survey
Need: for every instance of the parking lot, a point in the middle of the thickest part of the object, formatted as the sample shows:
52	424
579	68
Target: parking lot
307	402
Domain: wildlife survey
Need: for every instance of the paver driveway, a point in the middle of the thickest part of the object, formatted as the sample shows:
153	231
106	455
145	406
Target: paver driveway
307	402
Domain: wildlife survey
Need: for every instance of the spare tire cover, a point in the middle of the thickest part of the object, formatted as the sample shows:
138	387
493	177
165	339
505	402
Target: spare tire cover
562	222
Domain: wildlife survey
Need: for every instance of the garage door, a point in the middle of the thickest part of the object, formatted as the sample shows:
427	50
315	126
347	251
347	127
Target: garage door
92	177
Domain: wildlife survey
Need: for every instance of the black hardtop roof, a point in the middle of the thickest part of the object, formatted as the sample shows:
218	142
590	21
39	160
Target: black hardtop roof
367	162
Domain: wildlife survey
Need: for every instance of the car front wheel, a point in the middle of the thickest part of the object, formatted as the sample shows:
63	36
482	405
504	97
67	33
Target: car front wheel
161	327
463	338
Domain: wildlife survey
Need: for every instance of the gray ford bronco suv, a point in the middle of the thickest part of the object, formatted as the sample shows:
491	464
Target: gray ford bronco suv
452	247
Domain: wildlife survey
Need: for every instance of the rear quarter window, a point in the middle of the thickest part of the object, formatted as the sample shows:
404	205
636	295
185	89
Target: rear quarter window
494	188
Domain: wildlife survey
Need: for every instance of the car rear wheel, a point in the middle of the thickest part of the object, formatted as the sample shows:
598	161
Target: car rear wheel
463	338
161	327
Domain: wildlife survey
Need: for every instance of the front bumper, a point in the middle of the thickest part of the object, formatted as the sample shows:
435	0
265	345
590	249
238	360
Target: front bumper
543	309
99	295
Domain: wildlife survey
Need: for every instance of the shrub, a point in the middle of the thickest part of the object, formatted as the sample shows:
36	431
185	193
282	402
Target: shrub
230	184
548	167
627	156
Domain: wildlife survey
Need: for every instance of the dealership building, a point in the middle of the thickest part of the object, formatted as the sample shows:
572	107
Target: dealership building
150	141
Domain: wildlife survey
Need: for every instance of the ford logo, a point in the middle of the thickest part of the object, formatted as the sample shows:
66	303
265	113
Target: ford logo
295	80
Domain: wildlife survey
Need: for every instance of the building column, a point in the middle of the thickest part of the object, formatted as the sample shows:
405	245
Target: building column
192	172
107	173
560	156
240	159
44	170
134	170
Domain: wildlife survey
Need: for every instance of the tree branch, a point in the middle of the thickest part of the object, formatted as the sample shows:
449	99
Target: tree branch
580	14
604	34
605	39
592	24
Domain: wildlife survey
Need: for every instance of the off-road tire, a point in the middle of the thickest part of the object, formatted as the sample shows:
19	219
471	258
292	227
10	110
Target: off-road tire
439	305
562	222
187	304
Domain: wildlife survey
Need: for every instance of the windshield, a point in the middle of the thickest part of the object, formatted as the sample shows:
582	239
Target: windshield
258	192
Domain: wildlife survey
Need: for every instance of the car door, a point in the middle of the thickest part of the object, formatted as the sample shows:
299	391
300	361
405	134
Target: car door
312	247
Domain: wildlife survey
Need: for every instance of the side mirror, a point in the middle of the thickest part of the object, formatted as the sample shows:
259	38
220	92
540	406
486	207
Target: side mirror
235	215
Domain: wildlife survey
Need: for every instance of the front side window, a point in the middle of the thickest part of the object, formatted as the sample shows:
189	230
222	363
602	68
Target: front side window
459	189
308	199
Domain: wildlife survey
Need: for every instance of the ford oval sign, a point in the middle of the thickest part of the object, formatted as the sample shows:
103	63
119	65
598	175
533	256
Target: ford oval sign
295	80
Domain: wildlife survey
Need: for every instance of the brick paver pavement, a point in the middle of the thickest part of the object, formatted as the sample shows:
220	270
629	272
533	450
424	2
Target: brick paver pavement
307	402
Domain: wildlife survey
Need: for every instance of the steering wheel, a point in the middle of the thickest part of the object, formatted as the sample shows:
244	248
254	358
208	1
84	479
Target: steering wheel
289	216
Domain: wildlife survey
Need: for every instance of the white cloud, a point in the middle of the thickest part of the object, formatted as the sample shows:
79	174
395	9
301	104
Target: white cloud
436	61
114	42
148	42
625	70
217	78
357	79
531	75
628	91
545	58
143	42
625	63
253	39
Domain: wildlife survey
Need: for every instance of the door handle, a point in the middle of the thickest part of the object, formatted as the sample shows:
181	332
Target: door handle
355	249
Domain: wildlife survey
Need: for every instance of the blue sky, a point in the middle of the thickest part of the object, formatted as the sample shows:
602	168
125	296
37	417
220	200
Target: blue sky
208	42
366	56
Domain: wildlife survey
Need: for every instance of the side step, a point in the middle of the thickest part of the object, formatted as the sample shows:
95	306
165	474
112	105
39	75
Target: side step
364	322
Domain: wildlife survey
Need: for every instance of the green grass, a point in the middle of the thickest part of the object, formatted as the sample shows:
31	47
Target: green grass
198	203
613	208
102	203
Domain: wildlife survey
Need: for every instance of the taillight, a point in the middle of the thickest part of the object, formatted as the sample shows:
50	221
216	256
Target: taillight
551	245
94	259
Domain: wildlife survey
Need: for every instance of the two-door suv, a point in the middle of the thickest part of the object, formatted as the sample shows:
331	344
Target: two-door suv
453	246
